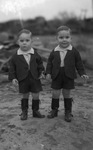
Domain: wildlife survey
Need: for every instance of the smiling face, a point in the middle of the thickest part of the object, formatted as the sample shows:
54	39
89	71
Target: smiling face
64	38
25	41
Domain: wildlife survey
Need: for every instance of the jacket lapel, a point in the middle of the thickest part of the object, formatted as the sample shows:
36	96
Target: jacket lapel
68	54
57	55
32	57
21	57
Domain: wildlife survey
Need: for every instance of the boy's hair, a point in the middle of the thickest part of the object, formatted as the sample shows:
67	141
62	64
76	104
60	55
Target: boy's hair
24	31
61	28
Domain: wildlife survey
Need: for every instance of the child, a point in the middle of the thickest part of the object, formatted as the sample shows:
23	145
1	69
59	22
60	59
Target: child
62	62
26	70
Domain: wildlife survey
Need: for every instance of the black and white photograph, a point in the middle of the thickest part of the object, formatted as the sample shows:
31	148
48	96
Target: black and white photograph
46	74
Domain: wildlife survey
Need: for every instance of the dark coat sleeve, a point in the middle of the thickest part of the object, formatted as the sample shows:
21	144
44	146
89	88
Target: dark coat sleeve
12	69
79	64
40	67
49	66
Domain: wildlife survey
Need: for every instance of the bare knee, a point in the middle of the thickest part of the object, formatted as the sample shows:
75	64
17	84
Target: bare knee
26	95
66	93
35	96
55	93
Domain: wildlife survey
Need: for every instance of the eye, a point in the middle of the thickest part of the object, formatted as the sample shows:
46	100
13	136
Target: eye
67	37
61	37
21	40
27	40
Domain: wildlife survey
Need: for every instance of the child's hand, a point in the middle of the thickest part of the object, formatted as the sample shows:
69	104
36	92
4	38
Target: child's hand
42	76
85	77
15	82
48	77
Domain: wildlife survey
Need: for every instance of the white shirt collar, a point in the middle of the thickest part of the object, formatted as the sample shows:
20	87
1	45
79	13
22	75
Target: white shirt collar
62	49
20	52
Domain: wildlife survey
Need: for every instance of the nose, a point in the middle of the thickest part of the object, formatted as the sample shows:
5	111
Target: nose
24	42
64	39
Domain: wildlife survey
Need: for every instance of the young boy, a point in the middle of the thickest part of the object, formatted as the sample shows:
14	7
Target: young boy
26	70
62	62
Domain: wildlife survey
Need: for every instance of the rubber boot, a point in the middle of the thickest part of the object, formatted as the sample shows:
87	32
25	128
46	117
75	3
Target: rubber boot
24	107
68	109
54	107
35	108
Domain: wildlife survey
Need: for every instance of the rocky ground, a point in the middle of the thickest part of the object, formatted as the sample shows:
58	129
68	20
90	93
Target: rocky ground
47	134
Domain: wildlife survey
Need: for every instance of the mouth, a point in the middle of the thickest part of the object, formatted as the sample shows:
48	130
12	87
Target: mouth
64	43
24	46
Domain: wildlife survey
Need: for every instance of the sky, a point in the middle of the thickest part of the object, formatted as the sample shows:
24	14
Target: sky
29	9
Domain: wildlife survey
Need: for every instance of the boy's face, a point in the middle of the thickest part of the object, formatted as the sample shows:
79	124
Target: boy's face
25	41
64	38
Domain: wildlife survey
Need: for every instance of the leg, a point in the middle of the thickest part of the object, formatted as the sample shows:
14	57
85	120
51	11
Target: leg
35	88
35	105
54	103
26	96
66	93
56	93
24	106
67	104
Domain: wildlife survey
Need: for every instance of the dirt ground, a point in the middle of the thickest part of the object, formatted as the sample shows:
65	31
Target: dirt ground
47	134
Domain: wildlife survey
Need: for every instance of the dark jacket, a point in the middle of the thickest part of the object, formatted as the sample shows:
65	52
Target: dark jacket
18	67
72	62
